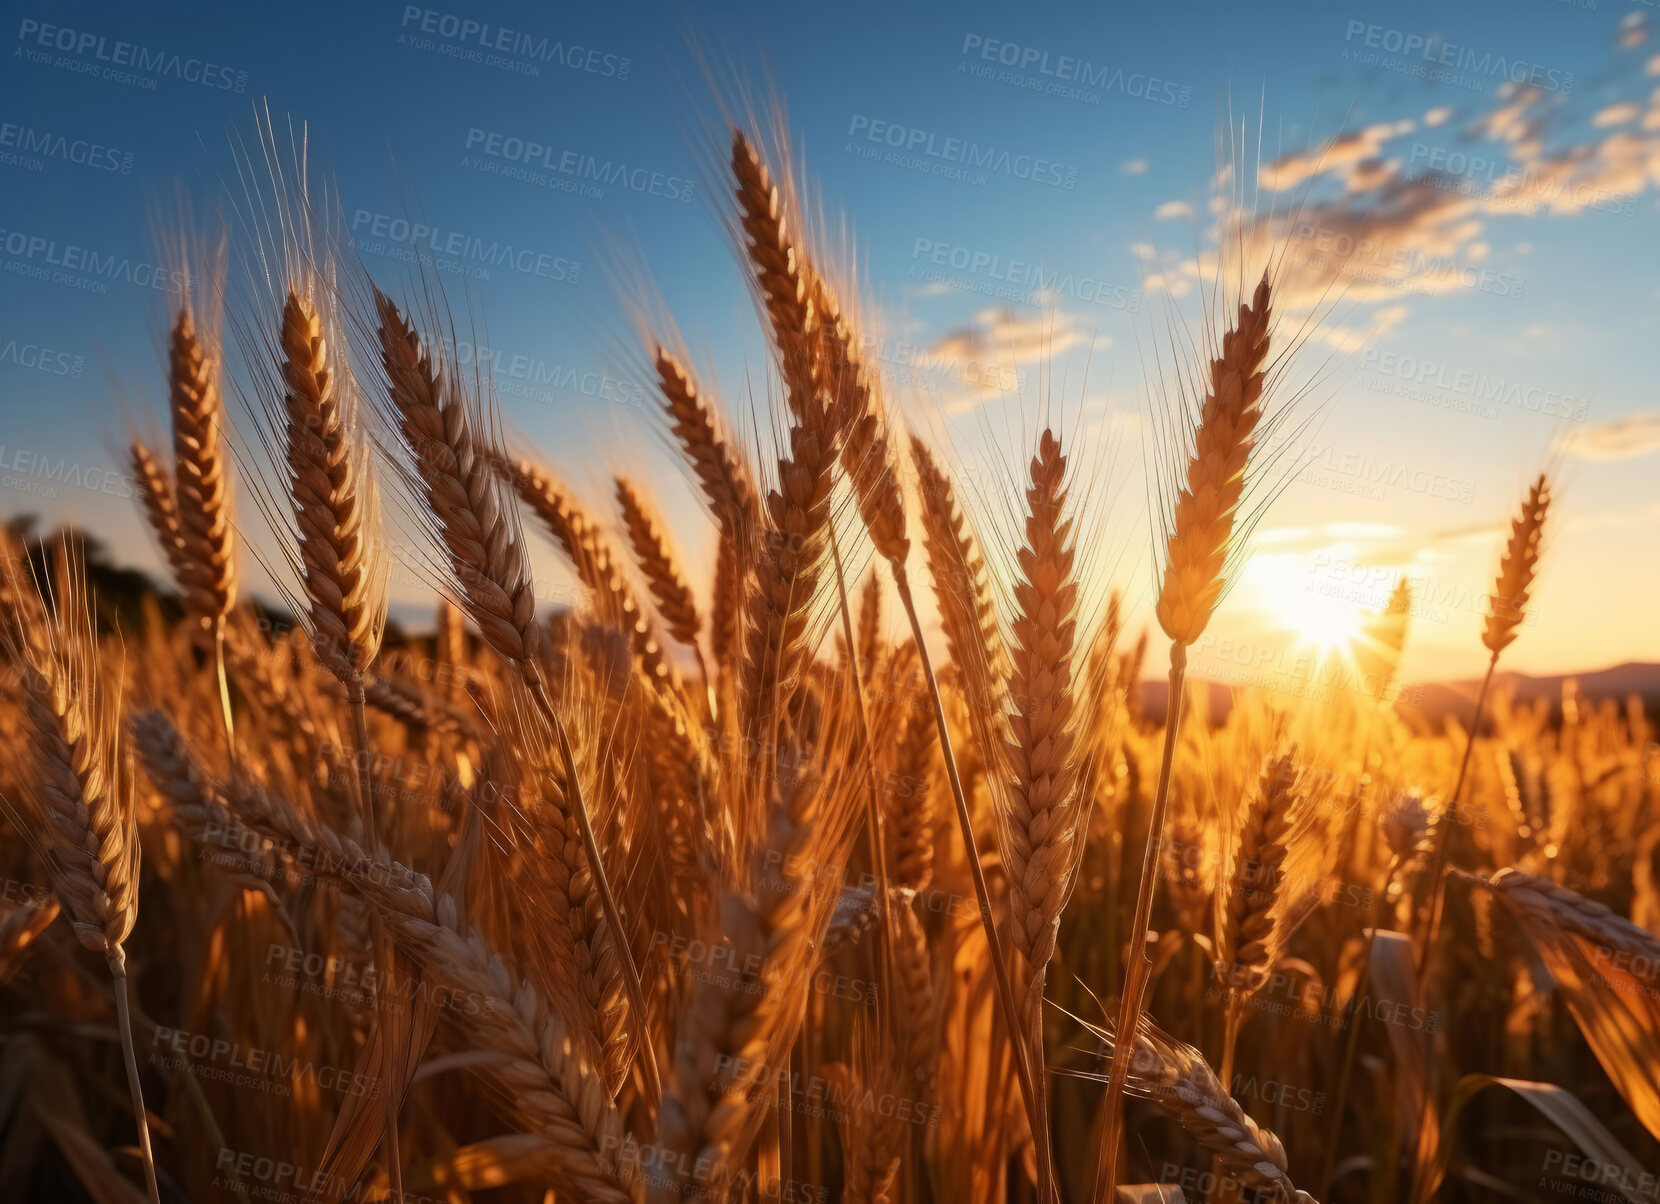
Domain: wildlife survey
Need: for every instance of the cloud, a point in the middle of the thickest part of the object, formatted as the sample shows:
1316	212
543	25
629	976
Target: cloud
1377	215
985	358
1344	151
1622	439
1133	167
1622	112
1173	209
1349	339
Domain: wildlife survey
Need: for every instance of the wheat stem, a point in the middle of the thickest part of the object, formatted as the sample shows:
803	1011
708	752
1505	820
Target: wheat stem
1449	816
1351	1031
1138	965
123	1014
965	822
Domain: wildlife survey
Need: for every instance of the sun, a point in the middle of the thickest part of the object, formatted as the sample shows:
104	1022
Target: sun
1317	620
1324	624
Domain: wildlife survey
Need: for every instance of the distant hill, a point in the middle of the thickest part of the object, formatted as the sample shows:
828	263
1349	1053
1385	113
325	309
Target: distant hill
1433	701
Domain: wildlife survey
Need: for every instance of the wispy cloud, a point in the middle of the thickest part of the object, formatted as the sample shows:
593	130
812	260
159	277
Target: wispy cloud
1001	336
1394	209
1622	439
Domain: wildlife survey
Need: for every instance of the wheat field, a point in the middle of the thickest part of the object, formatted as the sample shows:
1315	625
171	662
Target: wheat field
855	865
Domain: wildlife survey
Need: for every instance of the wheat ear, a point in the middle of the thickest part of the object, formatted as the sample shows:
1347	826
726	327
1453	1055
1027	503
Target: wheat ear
201	499
962	589
1042	807
1202	521
489	563
1508	602
155	494
1180	1081
200	814
743	1015
82	819
545	1071
1250	930
332	483
596	564
781	277
1042	803
656	556
723	475
1195	562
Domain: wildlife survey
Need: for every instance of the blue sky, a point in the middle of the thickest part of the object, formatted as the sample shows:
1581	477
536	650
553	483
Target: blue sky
1438	405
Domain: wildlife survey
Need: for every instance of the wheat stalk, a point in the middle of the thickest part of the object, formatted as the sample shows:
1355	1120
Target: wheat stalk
970	624
487	559
1195	559
341	554
1507	610
744	1011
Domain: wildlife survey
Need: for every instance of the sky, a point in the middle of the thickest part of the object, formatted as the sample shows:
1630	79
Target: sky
1461	202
